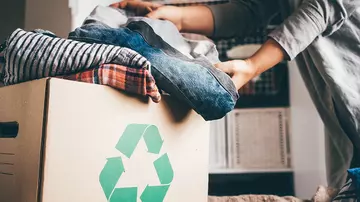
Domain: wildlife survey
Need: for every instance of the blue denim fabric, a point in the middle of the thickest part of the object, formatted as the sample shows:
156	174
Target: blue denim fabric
210	92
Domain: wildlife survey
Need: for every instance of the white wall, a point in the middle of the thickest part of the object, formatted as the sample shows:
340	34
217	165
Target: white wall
307	131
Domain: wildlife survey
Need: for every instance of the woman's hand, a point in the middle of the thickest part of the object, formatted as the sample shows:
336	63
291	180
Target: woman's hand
192	19
171	13
240	71
140	8
152	10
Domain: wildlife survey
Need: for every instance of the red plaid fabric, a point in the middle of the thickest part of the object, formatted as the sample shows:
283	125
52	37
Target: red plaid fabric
133	80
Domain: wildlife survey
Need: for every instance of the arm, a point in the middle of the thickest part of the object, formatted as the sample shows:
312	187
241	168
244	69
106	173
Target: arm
242	71
312	18
192	19
237	18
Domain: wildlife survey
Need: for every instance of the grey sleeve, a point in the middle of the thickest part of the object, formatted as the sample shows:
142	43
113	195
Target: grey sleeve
240	17
312	19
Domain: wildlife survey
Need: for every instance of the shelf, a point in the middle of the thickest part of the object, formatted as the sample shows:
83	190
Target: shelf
244	171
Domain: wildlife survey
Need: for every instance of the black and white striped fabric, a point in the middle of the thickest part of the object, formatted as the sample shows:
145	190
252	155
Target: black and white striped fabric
30	56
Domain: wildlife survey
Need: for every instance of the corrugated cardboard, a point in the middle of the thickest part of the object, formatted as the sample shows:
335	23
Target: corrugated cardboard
69	131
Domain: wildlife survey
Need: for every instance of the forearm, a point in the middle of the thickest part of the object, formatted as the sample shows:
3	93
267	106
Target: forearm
197	19
242	71
269	55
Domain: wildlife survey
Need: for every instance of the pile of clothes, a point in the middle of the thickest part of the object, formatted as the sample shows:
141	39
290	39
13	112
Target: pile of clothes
134	54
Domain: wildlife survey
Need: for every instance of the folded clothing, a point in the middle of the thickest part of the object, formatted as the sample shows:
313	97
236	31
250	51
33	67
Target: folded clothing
115	18
138	81
210	92
30	56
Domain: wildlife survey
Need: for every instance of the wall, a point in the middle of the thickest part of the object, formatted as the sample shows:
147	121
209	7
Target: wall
307	131
11	17
53	15
82	8
59	16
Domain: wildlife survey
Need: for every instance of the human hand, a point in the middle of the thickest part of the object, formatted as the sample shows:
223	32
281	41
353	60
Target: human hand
140	8
240	71
171	13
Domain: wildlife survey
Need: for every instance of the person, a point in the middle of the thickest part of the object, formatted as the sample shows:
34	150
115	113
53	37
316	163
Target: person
323	36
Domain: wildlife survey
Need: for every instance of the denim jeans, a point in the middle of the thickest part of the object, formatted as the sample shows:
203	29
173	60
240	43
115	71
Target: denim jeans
210	92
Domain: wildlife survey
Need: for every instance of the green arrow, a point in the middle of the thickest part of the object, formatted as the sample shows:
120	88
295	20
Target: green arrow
153	139
164	170
110	175
124	195
130	138
154	193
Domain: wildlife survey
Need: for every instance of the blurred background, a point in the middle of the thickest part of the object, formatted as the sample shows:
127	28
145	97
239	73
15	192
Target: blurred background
272	143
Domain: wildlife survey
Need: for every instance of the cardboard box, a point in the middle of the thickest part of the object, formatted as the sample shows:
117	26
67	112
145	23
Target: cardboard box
64	141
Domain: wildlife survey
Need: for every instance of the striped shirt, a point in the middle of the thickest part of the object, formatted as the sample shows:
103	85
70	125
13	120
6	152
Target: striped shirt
30	56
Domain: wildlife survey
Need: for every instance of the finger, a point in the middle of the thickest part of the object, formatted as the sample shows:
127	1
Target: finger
224	66
115	5
122	4
155	6
154	14
149	9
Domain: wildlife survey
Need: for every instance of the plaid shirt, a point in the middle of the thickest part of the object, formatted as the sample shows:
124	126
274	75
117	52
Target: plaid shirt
133	80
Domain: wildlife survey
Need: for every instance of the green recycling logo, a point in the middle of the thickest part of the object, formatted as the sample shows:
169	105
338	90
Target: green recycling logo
114	167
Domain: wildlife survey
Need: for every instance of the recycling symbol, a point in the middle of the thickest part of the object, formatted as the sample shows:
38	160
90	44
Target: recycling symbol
114	167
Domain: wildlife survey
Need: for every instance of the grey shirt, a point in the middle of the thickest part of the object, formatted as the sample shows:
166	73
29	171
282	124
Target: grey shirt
324	37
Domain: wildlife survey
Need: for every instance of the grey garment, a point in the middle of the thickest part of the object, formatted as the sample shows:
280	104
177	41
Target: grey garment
30	56
115	18
324	36
339	153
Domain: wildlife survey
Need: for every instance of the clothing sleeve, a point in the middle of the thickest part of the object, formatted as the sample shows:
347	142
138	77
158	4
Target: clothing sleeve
312	19
241	17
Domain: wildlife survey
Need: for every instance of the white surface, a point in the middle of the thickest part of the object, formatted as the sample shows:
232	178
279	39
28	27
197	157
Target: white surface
217	144
307	133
